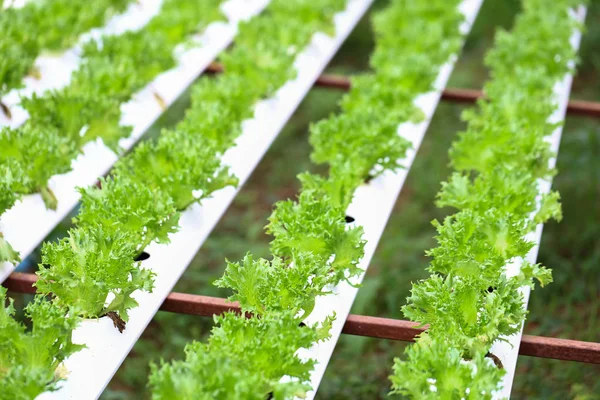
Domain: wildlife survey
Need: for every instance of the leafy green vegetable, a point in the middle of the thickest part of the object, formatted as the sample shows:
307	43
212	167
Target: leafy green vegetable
7	253
92	271
276	286
131	208
10	186
90	264
179	164
474	318
312	225
366	140
438	371
45	25
29	358
25	155
244	358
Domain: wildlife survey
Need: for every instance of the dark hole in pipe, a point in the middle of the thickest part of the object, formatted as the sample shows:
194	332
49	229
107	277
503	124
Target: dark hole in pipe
142	256
349	219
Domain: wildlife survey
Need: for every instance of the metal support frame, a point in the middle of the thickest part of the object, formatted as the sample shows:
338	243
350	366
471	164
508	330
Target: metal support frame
455	95
358	325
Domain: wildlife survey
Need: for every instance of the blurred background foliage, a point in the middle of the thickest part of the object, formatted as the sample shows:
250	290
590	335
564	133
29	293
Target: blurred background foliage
568	308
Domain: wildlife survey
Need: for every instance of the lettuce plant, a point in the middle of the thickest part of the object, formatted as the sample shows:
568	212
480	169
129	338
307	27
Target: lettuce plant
469	302
30	357
45	25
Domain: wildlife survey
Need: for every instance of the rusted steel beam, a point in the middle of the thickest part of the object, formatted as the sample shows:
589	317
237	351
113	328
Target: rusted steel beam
20	282
360	325
575	107
382	328
183	303
560	349
583	108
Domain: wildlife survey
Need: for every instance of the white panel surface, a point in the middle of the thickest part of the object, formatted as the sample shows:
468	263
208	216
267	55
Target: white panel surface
13	3
28	222
91	369
508	352
371	208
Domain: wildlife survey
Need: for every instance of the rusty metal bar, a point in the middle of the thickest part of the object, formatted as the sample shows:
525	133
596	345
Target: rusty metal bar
583	108
20	282
457	95
360	325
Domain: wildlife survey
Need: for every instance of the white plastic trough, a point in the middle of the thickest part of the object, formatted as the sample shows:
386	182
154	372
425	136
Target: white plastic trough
28	222
371	208
91	369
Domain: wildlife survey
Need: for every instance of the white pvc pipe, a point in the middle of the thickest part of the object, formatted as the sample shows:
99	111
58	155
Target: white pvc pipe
28	222
371	207
91	369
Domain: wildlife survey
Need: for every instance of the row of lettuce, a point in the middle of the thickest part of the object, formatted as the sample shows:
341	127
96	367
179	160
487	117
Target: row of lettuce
62	121
109	74
255	355
45	25
141	201
469	302
26	32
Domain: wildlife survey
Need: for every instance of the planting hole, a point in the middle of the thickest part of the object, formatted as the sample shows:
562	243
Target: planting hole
143	256
5	110
301	324
349	219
